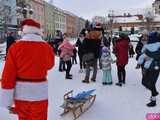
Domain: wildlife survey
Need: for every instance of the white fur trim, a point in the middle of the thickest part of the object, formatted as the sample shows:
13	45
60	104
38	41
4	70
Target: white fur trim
32	37
31	30
30	91
6	98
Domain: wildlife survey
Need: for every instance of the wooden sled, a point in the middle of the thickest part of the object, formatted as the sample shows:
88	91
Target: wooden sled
77	105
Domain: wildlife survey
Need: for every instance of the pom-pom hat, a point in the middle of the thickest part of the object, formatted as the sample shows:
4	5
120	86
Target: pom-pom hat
30	26
105	50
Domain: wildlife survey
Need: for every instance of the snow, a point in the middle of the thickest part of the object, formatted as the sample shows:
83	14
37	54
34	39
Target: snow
133	19
112	102
5	115
3	48
157	18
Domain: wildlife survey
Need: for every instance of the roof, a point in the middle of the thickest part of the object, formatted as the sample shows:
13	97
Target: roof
157	18
126	19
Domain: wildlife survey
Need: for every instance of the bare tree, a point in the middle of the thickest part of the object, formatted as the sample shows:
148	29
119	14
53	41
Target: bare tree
6	17
149	18
111	21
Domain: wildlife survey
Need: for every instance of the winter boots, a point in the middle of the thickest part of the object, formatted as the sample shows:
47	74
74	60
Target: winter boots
152	102
93	80
69	76
85	81
119	84
105	83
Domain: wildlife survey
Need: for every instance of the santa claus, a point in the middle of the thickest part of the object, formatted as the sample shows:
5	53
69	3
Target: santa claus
24	82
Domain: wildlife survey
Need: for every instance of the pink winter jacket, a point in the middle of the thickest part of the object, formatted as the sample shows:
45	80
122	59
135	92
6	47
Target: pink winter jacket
66	50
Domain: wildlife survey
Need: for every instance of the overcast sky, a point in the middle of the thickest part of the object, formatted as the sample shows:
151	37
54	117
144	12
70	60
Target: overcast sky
89	8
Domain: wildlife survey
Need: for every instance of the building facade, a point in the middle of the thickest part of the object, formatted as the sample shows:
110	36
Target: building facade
71	24
138	22
49	27
38	7
60	20
80	25
156	6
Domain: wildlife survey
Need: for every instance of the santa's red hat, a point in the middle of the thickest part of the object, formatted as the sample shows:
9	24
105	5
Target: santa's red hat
30	26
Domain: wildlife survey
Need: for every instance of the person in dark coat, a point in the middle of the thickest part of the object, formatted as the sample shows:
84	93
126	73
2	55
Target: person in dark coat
91	45
150	59
10	41
142	41
61	63
57	40
131	51
106	40
79	44
121	52
74	57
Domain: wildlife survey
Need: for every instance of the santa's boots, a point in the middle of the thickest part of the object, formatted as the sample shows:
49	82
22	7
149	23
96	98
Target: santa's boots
152	103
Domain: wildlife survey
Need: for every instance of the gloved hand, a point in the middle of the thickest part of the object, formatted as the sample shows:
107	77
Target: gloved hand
12	110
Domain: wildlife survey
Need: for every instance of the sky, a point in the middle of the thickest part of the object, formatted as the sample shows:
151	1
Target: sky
89	8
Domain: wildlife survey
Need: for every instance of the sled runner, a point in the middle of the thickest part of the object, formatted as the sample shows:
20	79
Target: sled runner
78	104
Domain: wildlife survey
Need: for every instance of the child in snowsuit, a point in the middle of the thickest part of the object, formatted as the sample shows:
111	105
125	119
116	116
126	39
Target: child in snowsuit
106	66
150	61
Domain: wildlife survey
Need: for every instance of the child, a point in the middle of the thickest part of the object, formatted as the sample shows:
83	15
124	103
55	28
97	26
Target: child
131	51
106	66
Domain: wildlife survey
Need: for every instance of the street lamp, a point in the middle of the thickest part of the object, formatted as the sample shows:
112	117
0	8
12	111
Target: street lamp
111	21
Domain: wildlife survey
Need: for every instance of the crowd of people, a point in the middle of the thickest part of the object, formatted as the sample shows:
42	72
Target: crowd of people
94	49
24	73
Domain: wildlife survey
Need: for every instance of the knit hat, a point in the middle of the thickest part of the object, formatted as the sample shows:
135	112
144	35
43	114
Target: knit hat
153	37
30	26
105	49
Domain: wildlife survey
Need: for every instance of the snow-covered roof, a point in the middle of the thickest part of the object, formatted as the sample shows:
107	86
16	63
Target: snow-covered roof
157	18
126	19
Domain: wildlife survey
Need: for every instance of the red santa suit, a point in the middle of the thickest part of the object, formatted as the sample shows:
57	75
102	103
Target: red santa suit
24	81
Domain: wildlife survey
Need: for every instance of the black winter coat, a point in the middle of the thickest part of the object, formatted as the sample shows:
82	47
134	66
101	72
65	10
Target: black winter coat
79	44
10	41
92	46
139	49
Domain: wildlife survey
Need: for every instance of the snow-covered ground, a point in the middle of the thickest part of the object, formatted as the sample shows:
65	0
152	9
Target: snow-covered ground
3	48
112	102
